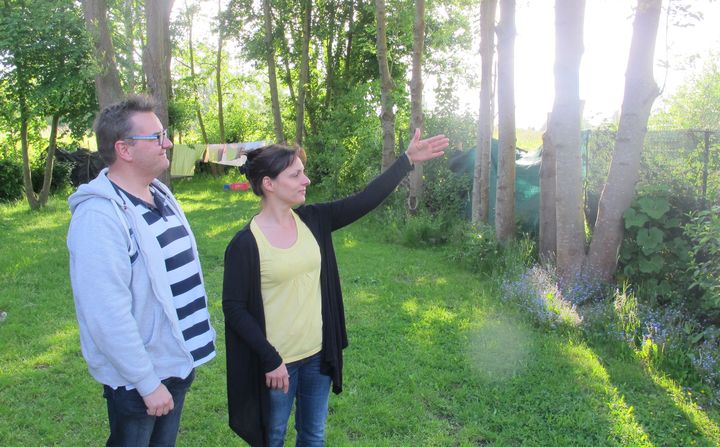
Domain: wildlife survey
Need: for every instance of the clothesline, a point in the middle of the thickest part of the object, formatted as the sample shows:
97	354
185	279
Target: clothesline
230	154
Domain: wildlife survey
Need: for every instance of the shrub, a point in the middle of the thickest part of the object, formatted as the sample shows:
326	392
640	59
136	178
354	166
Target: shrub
654	253
475	248
60	175
11	182
704	268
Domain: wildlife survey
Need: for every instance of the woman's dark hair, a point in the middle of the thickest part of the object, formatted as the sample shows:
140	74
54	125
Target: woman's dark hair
268	161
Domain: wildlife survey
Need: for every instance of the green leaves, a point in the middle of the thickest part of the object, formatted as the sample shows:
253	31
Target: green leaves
634	219
654	207
650	240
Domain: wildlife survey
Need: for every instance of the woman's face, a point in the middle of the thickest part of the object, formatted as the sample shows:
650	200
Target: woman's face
290	185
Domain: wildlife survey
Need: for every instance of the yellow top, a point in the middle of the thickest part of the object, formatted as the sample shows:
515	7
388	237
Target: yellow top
290	286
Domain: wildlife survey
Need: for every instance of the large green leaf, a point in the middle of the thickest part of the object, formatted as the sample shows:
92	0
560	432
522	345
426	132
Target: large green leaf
634	219
655	207
652	264
650	240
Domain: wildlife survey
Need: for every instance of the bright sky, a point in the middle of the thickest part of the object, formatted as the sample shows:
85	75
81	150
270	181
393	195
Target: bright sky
608	30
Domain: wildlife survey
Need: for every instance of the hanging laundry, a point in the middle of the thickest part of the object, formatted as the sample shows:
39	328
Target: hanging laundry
184	157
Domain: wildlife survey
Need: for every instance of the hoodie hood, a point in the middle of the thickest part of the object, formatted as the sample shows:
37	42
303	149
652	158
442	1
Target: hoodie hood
99	187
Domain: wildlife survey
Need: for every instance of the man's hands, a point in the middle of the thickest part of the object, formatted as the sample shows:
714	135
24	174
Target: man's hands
278	379
159	402
429	148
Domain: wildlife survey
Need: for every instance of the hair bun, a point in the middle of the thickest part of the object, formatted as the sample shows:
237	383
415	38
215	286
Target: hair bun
244	169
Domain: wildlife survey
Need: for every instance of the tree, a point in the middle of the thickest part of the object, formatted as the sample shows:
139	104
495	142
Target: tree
481	176
107	79
218	75
563	137
189	16
505	191
304	71
272	77
45	57
639	96
416	113
387	115
156	60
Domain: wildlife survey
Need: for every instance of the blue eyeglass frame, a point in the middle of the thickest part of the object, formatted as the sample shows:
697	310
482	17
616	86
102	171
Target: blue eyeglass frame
160	137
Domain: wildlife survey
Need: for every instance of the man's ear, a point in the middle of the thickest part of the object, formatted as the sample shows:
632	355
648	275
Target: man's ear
122	150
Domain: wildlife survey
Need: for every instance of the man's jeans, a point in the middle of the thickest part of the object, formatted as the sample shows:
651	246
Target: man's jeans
311	390
131	426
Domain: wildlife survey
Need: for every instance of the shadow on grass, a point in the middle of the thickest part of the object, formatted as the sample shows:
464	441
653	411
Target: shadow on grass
683	422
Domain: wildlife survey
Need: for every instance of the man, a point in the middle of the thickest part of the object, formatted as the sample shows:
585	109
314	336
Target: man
136	278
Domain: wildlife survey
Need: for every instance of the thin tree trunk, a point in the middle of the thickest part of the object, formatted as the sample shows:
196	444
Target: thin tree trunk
505	191
619	191
272	77
387	115
196	95
548	218
107	80
481	176
129	22
348	43
49	161
304	72
24	144
416	113
331	8
218	76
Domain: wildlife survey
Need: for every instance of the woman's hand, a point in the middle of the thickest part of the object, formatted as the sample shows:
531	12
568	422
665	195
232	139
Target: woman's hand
278	379
429	148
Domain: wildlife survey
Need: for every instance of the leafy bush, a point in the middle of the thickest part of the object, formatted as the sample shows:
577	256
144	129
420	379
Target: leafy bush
11	185
704	266
475	248
654	253
60	175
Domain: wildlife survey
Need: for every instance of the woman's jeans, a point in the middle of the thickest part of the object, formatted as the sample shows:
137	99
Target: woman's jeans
131	426
311	391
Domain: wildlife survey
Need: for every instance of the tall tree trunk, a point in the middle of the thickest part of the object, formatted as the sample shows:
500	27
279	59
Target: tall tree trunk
387	115
272	77
564	136
24	143
304	72
107	80
548	218
416	113
156	60
481	176
349	41
331	8
196	94
619	191
129	23
49	161
218	76
505	191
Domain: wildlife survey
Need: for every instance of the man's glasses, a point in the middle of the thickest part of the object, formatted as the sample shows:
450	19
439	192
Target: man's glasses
160	137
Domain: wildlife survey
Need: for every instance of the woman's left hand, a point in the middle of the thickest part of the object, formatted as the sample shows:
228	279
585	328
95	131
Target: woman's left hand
427	149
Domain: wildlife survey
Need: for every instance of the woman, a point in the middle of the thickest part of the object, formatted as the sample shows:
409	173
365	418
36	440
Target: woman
284	318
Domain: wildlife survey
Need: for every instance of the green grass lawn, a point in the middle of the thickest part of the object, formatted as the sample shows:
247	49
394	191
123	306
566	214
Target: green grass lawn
435	358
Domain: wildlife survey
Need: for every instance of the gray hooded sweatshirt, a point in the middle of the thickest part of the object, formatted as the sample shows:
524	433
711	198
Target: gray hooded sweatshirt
129	330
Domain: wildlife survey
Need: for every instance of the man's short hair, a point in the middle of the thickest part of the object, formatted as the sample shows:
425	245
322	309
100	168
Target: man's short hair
113	123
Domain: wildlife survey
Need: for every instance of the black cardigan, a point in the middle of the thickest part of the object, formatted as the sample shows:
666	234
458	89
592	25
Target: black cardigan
249	354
